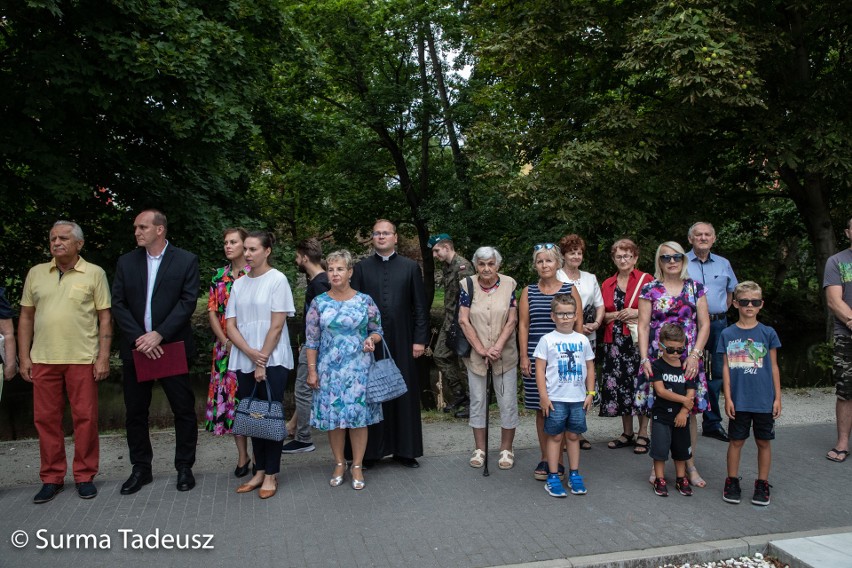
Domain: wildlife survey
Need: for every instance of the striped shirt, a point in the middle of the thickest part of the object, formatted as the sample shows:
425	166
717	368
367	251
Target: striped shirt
540	324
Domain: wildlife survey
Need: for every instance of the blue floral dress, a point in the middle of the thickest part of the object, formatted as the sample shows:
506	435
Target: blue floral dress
337	330
682	310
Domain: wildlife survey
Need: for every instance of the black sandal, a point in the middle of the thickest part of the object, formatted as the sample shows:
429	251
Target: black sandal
623	441
641	448
585	444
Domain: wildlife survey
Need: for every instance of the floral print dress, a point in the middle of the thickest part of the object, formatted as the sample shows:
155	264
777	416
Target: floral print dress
222	392
620	365
337	330
682	310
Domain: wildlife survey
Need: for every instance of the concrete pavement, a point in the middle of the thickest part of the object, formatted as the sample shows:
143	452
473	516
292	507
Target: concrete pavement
443	514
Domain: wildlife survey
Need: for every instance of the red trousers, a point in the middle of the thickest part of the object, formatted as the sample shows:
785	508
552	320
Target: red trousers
50	383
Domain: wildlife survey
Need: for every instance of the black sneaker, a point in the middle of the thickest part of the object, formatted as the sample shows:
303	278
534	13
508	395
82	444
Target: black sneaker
732	492
660	487
48	492
761	492
297	447
86	490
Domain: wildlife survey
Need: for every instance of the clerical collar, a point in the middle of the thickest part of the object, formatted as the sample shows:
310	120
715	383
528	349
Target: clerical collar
386	258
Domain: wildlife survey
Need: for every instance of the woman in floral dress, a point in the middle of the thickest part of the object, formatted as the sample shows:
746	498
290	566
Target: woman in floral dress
341	327
674	298
222	393
621	356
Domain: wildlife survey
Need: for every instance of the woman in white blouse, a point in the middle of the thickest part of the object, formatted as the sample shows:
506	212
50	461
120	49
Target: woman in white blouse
572	248
256	321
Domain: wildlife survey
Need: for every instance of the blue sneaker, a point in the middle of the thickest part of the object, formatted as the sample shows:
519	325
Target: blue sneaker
554	486
575	480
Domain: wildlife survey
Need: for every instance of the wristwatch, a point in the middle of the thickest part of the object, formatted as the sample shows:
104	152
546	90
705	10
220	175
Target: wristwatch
696	354
591	393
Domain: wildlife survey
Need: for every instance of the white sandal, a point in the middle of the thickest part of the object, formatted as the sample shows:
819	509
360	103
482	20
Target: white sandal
477	459
507	459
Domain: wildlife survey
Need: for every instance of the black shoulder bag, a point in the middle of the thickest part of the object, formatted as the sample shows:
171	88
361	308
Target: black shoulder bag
456	340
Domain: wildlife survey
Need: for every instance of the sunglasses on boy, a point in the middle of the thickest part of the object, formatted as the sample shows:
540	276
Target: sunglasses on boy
546	246
673	350
667	258
745	303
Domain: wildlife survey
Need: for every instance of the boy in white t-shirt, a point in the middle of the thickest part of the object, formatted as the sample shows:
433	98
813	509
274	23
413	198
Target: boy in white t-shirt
565	376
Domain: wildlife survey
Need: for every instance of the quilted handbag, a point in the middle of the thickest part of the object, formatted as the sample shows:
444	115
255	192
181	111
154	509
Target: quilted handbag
384	381
456	340
260	418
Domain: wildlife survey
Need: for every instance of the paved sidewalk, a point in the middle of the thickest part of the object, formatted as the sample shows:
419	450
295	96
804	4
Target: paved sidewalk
443	514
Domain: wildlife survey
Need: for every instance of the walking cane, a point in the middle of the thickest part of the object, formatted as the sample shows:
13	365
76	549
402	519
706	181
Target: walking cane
489	377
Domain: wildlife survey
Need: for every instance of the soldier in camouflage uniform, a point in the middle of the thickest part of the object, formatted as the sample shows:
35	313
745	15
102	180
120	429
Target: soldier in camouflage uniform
838	290
455	268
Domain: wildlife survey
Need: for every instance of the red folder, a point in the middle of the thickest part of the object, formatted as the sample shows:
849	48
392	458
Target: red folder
172	362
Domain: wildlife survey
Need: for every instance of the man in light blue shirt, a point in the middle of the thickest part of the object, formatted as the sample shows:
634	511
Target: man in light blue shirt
719	282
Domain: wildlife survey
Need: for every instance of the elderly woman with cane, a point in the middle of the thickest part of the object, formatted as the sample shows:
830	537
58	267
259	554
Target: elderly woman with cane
488	315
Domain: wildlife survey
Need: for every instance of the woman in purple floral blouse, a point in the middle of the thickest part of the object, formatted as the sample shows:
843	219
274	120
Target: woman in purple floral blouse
673	297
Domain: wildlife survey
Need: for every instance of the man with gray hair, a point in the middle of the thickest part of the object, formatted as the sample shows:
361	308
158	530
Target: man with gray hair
64	338
719	281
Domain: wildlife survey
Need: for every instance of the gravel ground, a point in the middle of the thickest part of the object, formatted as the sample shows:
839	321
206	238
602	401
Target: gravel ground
756	561
442	435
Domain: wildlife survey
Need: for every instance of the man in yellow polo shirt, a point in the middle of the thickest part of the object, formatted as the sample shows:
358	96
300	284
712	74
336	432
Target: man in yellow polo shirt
64	337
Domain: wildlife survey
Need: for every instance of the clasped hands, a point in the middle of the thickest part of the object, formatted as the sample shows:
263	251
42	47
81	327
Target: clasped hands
149	345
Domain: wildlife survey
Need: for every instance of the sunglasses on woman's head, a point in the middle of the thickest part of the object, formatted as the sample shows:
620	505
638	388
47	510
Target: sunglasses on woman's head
546	246
745	303
667	258
673	350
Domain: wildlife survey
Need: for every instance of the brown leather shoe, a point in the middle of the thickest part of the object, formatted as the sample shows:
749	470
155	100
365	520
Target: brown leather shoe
246	488
267	493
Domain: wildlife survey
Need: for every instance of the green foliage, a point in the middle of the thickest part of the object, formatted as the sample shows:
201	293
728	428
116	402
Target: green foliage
110	107
613	119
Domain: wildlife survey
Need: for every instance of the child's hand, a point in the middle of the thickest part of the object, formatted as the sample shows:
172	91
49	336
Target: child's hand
776	408
680	419
587	404
546	406
688	403
729	408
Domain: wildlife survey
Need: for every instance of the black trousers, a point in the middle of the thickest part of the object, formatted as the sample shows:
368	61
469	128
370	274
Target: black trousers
267	453
137	401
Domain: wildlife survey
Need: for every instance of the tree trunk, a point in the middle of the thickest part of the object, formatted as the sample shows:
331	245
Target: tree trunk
811	199
425	138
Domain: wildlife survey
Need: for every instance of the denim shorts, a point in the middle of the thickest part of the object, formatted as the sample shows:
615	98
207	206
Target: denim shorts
565	417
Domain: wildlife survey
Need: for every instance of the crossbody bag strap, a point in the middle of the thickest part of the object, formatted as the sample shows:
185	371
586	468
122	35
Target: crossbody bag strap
635	291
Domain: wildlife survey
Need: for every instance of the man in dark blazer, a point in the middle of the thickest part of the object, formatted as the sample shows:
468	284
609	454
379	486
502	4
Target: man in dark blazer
154	295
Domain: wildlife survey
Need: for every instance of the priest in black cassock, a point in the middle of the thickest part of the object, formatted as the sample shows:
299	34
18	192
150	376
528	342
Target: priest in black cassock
396	285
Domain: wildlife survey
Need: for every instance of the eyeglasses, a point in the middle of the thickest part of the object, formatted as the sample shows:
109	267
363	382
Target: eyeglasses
667	258
382	234
564	315
745	303
622	257
673	350
546	246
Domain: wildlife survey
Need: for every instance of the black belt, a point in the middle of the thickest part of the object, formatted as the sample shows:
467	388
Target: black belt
714	317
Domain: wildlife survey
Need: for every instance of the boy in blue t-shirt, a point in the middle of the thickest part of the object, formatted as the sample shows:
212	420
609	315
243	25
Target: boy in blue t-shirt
675	396
752	387
565	376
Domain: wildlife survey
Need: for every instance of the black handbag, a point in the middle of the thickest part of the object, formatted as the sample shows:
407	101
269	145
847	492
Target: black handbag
259	418
456	340
384	380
